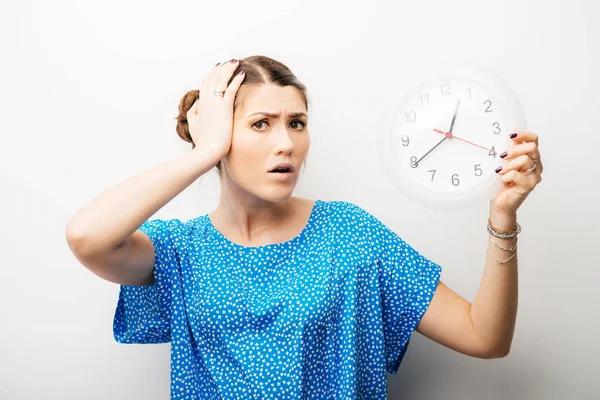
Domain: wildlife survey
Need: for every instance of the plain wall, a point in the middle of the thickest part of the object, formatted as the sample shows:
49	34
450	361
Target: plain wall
89	93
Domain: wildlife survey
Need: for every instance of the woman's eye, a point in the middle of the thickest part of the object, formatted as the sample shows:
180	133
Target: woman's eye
299	122
259	123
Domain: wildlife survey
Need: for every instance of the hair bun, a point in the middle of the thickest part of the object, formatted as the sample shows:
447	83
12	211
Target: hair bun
182	128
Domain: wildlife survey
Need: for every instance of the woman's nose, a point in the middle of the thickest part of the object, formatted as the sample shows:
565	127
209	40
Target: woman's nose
284	140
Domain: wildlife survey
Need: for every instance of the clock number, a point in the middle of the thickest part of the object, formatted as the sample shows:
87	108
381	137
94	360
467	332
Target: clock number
432	170
489	104
469	91
455	181
445	88
492	152
413	162
411	117
497	128
426	97
478	170
407	141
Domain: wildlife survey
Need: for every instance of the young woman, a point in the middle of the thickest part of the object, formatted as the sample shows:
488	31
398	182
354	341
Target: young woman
275	296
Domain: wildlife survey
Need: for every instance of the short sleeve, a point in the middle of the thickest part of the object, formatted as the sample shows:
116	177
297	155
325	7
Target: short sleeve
408	282
143	313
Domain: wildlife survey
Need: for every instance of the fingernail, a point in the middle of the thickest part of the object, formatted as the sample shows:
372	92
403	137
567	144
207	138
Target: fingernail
241	73
513	135
498	169
233	60
217	64
503	154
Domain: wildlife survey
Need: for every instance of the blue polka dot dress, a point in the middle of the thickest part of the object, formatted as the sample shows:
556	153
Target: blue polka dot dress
322	316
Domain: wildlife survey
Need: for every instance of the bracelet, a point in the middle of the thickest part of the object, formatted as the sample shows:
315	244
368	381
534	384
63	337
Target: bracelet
502	234
510	249
498	230
502	261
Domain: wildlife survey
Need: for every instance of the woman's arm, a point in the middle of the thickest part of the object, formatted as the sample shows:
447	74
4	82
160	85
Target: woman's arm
494	309
484	328
103	234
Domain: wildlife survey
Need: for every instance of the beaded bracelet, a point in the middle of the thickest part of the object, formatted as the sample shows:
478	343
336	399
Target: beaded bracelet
504	235
503	248
498	230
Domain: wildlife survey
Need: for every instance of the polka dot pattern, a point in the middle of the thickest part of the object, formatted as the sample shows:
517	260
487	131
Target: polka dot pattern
322	316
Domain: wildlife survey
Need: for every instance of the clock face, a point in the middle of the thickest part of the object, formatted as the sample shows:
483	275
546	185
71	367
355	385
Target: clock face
447	135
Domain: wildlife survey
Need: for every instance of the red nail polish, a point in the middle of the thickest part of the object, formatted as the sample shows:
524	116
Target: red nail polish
503	154
498	169
513	135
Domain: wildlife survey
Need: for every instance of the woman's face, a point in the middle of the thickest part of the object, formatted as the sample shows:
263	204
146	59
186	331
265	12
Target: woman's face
268	128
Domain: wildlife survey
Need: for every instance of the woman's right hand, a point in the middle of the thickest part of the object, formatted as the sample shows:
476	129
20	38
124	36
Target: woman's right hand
210	119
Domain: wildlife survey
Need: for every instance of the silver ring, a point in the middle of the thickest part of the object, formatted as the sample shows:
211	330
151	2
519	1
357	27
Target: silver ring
219	92
530	170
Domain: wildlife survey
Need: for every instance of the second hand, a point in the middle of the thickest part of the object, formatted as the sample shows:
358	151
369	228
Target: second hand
451	136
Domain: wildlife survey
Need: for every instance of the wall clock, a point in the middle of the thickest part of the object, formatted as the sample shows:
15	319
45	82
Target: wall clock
441	142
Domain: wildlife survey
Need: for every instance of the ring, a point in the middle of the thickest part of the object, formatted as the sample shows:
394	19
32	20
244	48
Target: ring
535	161
530	170
219	92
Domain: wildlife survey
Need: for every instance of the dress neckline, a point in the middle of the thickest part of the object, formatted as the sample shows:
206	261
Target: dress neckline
287	243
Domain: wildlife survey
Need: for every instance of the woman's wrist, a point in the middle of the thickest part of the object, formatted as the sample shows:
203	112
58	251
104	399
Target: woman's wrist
502	221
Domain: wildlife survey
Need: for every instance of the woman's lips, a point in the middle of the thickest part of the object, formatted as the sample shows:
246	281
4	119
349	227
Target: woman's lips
282	175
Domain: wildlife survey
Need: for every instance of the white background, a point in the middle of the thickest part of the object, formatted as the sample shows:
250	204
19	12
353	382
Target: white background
89	93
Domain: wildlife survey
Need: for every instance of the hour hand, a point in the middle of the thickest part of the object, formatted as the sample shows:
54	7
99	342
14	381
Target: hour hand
448	134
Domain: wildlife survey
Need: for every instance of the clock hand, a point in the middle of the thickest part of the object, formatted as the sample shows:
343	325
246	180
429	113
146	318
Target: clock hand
454	116
449	135
452	136
419	160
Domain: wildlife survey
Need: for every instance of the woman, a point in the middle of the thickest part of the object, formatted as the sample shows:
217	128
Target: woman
274	296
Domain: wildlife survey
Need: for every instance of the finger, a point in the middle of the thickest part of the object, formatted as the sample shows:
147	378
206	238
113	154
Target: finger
211	81
525	182
223	75
523	162
516	150
525	136
214	71
235	85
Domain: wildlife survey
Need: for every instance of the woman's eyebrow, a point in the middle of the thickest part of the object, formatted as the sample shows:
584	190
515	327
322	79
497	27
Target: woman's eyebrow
276	115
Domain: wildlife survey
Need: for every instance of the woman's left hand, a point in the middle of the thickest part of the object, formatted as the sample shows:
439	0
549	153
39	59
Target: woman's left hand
518	182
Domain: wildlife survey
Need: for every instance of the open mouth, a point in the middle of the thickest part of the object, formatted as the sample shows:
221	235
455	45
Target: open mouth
282	171
283	168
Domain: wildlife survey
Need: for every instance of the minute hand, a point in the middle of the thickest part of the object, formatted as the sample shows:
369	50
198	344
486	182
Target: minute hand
419	160
448	135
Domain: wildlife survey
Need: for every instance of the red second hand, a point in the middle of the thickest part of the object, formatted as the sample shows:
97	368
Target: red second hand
450	135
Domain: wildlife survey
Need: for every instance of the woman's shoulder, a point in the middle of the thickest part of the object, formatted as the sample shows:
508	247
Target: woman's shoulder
359	218
177	229
351	215
348	209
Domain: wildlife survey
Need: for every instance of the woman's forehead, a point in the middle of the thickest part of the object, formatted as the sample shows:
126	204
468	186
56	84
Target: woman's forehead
271	98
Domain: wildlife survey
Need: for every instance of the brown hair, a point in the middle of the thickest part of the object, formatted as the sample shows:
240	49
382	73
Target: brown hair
259	70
